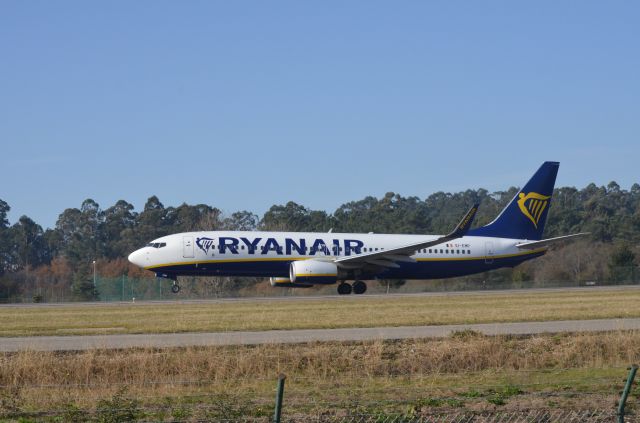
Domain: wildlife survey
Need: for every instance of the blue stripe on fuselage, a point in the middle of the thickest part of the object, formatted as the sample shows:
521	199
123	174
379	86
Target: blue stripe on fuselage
422	269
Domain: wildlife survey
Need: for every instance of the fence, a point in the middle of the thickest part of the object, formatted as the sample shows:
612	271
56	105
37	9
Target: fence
290	407
125	288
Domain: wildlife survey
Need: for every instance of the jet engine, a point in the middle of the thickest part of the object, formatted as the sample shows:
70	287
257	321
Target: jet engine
313	272
286	283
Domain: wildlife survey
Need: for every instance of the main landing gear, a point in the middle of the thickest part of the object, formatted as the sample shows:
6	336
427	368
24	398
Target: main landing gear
358	287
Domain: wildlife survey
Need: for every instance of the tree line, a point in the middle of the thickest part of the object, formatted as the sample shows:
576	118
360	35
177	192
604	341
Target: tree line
81	235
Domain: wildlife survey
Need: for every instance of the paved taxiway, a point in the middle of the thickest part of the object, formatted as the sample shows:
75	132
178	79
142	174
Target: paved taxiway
73	343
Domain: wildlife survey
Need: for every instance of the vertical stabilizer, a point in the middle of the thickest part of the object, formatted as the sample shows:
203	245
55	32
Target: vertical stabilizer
525	216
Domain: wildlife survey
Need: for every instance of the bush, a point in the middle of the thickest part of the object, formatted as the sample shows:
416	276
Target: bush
118	409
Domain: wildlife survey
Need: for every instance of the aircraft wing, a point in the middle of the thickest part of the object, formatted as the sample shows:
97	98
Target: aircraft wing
388	258
531	245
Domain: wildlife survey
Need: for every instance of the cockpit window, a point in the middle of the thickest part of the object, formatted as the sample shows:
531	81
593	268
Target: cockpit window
156	244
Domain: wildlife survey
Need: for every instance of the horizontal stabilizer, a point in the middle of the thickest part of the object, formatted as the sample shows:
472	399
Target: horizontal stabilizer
532	245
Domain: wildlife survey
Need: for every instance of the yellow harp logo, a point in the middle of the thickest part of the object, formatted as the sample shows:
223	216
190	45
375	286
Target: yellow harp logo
532	205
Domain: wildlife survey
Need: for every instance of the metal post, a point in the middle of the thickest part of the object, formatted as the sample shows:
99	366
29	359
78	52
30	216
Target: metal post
279	395
122	296
625	393
94	273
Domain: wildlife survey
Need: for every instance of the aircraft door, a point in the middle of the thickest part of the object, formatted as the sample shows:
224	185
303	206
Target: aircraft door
187	246
488	252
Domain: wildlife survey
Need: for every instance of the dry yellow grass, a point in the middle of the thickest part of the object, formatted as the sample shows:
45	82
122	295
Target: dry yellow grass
319	313
590	365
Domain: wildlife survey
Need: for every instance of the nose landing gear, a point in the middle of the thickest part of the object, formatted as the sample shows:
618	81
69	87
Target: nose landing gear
358	287
175	288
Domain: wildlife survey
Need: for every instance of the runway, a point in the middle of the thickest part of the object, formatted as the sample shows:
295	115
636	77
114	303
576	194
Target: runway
88	342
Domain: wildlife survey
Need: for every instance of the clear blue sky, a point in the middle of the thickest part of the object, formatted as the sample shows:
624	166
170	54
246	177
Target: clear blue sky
243	105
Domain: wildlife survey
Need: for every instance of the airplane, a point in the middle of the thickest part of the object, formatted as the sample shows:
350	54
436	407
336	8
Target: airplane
305	259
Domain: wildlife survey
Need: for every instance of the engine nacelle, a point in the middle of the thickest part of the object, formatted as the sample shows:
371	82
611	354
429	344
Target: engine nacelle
313	272
286	283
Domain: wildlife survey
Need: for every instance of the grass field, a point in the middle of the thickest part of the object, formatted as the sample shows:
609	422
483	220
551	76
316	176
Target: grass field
337	312
465	371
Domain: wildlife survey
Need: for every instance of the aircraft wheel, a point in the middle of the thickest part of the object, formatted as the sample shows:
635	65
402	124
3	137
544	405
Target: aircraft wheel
344	288
359	287
175	288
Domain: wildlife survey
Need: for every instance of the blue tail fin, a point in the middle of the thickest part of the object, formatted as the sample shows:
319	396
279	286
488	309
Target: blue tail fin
525	216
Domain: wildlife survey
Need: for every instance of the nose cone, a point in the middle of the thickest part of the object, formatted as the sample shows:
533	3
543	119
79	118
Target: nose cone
137	258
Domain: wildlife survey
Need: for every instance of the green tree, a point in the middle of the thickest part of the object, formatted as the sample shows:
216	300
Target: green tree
241	221
5	248
186	218
28	244
153	222
294	217
118	230
83	288
622	263
4	211
79	232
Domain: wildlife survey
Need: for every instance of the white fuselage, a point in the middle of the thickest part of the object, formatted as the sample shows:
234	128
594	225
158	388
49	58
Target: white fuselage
268	254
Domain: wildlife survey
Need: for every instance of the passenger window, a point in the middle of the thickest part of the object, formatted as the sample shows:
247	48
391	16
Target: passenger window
440	251
457	251
468	251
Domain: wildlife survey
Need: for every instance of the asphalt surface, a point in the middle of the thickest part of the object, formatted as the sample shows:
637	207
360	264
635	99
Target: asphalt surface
87	342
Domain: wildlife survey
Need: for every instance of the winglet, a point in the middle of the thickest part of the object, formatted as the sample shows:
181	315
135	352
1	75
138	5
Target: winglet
465	223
